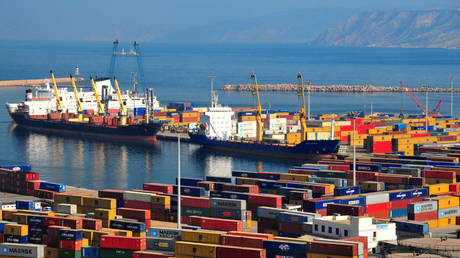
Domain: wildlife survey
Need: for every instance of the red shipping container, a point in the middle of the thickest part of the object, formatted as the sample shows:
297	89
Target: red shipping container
362	175
298	195
244	241
384	206
379	214
208	186
420	135
291	228
137	205
399	204
345	249
94	224
240	252
75	223
361	239
122	242
70	245
53	221
393	179
229	187
381	147
158	187
33	184
247	188
339	167
45	194
321	189
250	234
423	216
266	200
454	188
439	174
217	224
150	254
161	216
416	181
111	193
186	220
30	192
197	202
131	213
160	208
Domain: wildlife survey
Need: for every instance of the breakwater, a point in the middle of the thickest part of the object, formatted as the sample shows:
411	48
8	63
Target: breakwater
335	88
32	82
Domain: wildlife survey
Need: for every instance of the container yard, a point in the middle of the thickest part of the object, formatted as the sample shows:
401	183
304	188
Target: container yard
380	204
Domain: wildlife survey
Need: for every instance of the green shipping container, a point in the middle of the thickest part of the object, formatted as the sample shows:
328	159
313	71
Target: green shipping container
115	253
69	254
331	174
193	211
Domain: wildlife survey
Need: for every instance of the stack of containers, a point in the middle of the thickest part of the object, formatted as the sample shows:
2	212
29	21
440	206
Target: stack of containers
440	177
295	223
70	242
103	208
229	209
120	246
267	220
344	209
162	239
448	210
318	205
14	181
15	233
138	229
378	205
137	214
37	228
214	223
297	197
195	206
245	239
400	199
285	248
424	211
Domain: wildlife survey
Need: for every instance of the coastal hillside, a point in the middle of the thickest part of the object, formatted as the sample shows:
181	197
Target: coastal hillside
408	29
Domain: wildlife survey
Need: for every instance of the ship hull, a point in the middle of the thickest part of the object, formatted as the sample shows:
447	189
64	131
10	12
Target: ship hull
304	150
138	133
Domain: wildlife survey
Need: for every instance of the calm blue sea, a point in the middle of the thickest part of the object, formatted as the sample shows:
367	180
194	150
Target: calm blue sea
180	72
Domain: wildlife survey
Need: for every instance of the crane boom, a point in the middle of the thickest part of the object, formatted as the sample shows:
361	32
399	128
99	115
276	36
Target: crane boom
257	107
301	97
56	93
414	98
120	100
113	58
437	108
77	99
100	105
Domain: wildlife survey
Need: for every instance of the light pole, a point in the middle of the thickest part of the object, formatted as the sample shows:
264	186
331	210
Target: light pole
179	215
309	83
426	87
452	97
354	152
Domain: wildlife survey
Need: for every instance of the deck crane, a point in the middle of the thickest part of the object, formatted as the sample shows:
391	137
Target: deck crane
302	116
122	105
418	103
56	93
257	107
100	105
77	99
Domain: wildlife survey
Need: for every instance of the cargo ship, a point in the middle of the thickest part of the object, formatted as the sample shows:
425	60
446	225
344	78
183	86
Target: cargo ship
46	114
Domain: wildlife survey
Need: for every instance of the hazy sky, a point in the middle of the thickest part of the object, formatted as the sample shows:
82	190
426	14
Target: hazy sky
148	19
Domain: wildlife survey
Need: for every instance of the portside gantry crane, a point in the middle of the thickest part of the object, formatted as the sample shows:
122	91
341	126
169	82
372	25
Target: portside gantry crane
77	99
418	103
100	105
56	93
257	107
302	115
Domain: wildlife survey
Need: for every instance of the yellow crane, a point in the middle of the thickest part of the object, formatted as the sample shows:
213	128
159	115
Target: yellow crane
122	105
257	107
56	93
302	116
100	105
77	99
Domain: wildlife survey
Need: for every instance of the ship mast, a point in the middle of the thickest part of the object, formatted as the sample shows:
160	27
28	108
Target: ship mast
100	105
257	107
122	105
56	93
301	97
77	99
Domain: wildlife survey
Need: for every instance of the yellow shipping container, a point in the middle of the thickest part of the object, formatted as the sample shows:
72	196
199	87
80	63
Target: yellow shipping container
445	222
51	252
438	188
88	234
247	118
161	200
432	223
195	249
105	214
248	223
68	198
446	201
16	229
20	218
201	236
432	181
8	214
318	255
84	242
246	181
139	234
98	202
295	177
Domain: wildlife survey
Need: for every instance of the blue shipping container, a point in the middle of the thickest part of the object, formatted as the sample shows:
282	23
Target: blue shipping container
412	226
231	180
285	247
398	213
352	190
71	234
401	195
322	204
25	205
90	251
50	186
16	239
18	168
190	190
239	173
189	181
229	195
420	192
360	201
269	176
295	217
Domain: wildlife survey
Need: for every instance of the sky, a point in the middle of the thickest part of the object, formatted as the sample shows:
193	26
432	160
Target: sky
148	20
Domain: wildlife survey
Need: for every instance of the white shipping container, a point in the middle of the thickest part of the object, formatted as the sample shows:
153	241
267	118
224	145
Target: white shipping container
22	250
137	196
323	135
278	136
374	198
66	208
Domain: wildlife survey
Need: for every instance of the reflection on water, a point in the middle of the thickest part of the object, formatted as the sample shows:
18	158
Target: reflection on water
102	164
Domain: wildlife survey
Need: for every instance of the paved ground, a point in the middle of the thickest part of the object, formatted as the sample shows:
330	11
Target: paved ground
6	198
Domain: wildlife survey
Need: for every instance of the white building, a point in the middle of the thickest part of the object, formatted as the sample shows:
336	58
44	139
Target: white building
337	227
218	122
